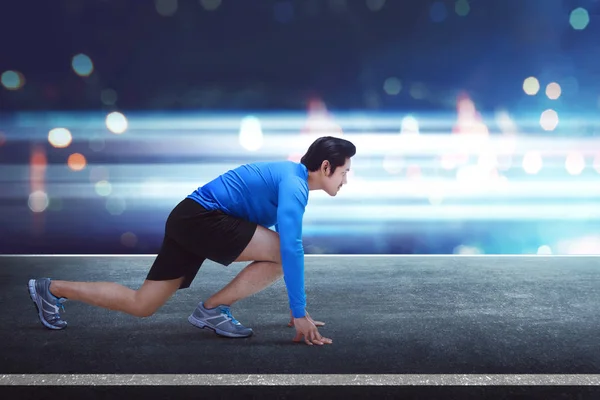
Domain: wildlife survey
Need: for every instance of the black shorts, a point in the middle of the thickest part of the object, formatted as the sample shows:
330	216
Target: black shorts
194	234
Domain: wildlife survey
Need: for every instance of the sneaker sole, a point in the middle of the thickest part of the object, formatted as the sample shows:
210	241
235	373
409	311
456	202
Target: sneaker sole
34	298
201	324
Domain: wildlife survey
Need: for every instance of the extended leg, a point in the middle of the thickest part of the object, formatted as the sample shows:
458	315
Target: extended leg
140	303
48	296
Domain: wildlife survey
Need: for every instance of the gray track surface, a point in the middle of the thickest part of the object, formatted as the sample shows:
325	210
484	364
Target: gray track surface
386	315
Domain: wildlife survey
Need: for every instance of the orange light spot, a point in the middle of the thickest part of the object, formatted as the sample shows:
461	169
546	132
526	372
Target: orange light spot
76	162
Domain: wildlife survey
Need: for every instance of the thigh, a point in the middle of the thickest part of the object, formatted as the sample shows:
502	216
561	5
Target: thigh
264	246
174	261
211	234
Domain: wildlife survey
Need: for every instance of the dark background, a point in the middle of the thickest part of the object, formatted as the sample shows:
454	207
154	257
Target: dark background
165	63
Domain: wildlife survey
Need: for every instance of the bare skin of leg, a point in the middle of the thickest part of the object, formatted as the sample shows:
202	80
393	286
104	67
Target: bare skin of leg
265	269
143	302
256	276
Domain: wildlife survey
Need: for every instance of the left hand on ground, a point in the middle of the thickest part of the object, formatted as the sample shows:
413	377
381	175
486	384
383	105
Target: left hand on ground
317	323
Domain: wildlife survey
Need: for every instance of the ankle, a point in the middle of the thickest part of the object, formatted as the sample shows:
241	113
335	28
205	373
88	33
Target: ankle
208	305
54	289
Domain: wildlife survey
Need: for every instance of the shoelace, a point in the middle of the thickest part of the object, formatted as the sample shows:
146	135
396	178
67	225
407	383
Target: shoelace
226	312
56	316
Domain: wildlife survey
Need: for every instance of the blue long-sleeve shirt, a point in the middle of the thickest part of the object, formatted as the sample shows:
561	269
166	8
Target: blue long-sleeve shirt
268	194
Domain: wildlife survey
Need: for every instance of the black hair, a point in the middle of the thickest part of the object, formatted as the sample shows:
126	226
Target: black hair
333	149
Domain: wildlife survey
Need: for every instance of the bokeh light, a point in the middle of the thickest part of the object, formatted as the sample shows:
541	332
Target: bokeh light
2	138
82	65
574	163
38	201
553	91
579	18
467	250
531	86
60	137
12	80
589	244
108	97
116	122
409	125
544	250
532	162
392	86
166	8
103	188
462	8
76	162
549	120
210	5
418	91
116	205
251	136
375	5
129	239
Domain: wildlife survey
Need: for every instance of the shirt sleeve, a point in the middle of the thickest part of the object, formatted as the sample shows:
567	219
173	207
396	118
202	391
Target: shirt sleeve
293	197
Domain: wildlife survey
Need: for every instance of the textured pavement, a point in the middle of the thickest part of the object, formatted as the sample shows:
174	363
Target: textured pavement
386	315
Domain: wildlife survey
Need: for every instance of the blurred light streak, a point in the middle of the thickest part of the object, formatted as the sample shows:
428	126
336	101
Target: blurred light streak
278	146
165	187
279	121
390	213
37	170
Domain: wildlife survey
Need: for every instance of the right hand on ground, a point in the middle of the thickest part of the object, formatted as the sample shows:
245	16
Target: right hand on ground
307	329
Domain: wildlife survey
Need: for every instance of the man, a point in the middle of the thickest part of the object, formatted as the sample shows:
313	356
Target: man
225	220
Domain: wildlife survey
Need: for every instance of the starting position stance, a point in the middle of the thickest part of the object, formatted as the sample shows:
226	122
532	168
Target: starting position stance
225	221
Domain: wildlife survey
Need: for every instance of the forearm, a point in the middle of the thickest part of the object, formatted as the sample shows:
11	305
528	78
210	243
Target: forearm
293	275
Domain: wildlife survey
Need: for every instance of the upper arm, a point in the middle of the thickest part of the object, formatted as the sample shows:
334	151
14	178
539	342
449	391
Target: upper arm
292	201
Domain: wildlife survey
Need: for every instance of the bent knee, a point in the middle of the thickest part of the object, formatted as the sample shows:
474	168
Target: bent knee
144	311
143	308
276	258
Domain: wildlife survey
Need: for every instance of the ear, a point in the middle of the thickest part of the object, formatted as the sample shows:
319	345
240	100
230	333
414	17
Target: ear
325	166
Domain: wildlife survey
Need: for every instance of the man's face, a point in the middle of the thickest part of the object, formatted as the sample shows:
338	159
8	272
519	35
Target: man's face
333	183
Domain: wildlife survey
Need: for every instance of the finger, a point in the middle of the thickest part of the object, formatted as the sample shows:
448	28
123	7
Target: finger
326	340
291	323
316	338
318	323
307	341
298	337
